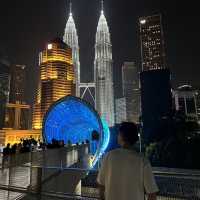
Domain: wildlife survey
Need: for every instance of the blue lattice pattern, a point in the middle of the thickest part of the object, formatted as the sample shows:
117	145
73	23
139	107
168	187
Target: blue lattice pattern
72	119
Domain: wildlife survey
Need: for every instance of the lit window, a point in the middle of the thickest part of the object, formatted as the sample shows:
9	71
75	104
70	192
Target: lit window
50	46
143	21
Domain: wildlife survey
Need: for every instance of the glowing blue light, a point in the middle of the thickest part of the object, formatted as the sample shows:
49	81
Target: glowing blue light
104	141
73	119
106	135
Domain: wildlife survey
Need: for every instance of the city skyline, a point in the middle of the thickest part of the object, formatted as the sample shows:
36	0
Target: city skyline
51	19
136	64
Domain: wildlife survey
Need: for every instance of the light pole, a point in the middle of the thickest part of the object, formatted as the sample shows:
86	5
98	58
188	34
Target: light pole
139	135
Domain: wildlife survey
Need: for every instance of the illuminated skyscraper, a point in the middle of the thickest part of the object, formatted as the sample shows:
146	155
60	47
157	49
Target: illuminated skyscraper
17	85
185	98
152	43
131	92
4	88
56	78
103	71
120	110
71	39
17	116
4	79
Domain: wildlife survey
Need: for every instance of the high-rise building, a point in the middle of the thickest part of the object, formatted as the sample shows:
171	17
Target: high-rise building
152	43
71	39
131	91
17	116
87	93
56	78
103	71
4	79
120	110
156	103
4	88
185	98
198	102
17	85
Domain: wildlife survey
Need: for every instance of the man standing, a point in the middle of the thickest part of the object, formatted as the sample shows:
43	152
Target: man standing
124	174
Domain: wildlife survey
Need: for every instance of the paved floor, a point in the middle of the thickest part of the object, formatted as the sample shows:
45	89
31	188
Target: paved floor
18	177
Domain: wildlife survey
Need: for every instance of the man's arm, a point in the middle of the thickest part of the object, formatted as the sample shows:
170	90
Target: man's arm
150	185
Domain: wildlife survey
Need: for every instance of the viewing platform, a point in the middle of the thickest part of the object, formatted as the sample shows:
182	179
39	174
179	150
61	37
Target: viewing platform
65	173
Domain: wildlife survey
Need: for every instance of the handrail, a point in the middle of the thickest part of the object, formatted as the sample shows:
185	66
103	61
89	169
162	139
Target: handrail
19	159
174	171
173	183
48	194
175	188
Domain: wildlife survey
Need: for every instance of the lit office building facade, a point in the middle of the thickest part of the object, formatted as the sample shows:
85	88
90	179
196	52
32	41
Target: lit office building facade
56	78
152	43
4	79
4	88
185	98
17	116
120	110
17	84
131	91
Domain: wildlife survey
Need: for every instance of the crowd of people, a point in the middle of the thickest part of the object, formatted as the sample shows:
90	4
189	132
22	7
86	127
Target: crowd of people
25	145
28	145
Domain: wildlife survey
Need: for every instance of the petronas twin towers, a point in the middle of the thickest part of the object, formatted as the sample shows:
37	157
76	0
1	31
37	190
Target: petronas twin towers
71	38
103	65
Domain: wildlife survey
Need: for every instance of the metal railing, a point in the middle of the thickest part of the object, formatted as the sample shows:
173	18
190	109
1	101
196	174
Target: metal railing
58	174
33	172
174	184
178	183
74	183
51	157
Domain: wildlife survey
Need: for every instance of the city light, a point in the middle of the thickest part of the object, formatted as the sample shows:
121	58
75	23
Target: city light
50	46
143	21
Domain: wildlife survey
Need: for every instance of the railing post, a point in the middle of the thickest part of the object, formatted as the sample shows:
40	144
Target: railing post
9	179
61	158
39	182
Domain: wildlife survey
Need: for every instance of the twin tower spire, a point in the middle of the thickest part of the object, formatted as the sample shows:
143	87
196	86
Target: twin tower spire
103	64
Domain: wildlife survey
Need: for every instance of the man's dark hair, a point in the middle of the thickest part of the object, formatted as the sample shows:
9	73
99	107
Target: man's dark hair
129	132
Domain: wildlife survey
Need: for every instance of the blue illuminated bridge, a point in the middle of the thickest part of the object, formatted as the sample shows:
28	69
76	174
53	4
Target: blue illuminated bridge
72	119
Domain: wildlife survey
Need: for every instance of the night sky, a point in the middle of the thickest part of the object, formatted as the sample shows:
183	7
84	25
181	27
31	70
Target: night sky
28	25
